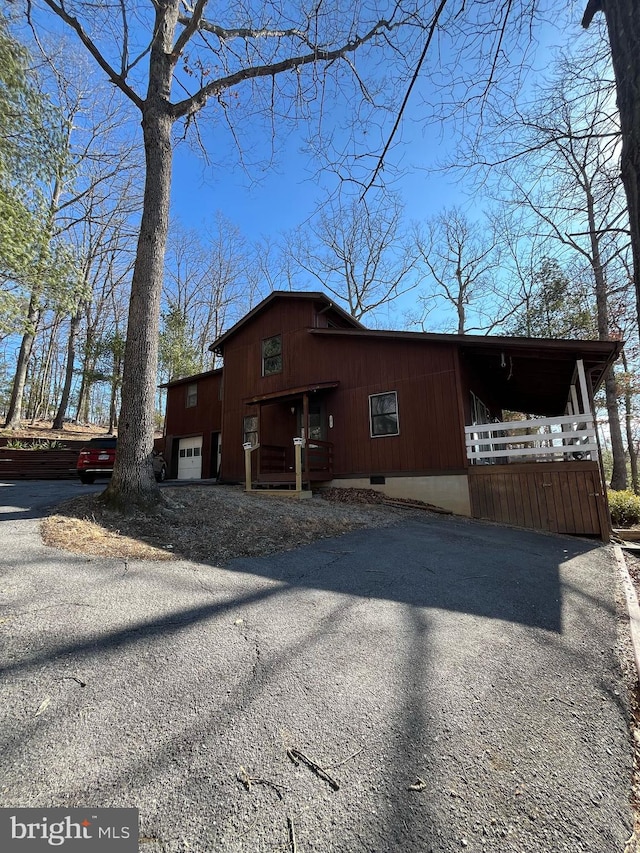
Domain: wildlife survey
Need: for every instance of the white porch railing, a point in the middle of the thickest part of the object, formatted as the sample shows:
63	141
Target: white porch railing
544	439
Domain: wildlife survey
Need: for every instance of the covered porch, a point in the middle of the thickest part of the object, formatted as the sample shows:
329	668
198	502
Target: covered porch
286	424
531	437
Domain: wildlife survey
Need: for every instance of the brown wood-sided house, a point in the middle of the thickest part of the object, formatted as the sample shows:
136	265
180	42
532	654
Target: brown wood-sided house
414	415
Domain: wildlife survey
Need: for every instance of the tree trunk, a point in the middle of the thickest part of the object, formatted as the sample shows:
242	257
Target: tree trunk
42	383
623	25
116	382
58	421
89	364
461	296
113	409
133	483
619	473
633	453
631	446
14	413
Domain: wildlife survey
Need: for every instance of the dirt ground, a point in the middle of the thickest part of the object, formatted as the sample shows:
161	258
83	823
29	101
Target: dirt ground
42	429
214	523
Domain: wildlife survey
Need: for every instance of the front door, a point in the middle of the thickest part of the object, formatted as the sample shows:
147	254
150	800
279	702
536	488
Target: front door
317	420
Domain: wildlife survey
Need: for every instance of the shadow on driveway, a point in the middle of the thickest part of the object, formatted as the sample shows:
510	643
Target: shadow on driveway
459	680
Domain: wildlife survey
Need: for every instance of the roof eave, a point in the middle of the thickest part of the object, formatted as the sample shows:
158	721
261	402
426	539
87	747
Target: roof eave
193	378
318	296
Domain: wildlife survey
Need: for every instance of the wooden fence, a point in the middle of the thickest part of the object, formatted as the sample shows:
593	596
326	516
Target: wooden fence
38	464
562	497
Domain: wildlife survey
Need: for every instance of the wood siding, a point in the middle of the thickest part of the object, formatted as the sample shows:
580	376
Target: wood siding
560	497
423	374
182	421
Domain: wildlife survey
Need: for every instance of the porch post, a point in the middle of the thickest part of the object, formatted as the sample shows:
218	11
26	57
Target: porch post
586	403
305	421
247	465
297	447
574	400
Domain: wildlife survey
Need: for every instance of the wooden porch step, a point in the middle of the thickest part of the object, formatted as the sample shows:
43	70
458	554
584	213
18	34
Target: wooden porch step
265	485
282	493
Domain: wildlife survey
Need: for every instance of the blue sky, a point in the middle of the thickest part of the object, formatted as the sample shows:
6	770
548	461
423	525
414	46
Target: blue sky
267	203
285	196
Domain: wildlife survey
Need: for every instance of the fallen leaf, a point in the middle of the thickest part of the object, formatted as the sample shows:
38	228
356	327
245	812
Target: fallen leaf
43	706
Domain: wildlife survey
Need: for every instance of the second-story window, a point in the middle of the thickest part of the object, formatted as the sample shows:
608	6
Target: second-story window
272	355
192	395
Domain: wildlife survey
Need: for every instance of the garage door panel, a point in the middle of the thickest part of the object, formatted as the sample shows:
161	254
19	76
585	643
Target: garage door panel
190	458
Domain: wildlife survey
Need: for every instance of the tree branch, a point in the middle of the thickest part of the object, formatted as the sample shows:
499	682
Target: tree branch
405	100
191	105
117	79
191	24
593	6
245	33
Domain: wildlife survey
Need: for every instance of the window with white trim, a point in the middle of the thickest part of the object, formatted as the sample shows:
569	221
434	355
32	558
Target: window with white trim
383	414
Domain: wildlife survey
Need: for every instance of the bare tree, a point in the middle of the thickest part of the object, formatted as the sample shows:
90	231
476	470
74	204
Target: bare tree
102	227
357	251
623	29
103	310
461	258
211	280
562	170
46	265
630	391
275	264
88	166
204	61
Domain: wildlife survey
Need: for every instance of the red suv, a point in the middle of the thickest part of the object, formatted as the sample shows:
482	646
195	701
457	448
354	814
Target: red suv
97	458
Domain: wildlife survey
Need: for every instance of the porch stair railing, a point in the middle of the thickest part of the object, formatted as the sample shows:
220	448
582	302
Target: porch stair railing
564	438
272	458
279	469
320	456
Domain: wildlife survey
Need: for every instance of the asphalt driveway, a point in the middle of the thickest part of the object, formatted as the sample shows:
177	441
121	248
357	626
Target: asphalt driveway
459	683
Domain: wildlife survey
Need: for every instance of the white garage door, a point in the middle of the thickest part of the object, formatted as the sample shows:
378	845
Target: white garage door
190	458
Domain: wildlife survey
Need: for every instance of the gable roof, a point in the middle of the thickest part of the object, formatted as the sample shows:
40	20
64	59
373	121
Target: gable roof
184	380
314	296
526	374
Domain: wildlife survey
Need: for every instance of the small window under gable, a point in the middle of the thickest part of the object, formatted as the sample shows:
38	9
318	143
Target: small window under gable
383	414
192	395
272	355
